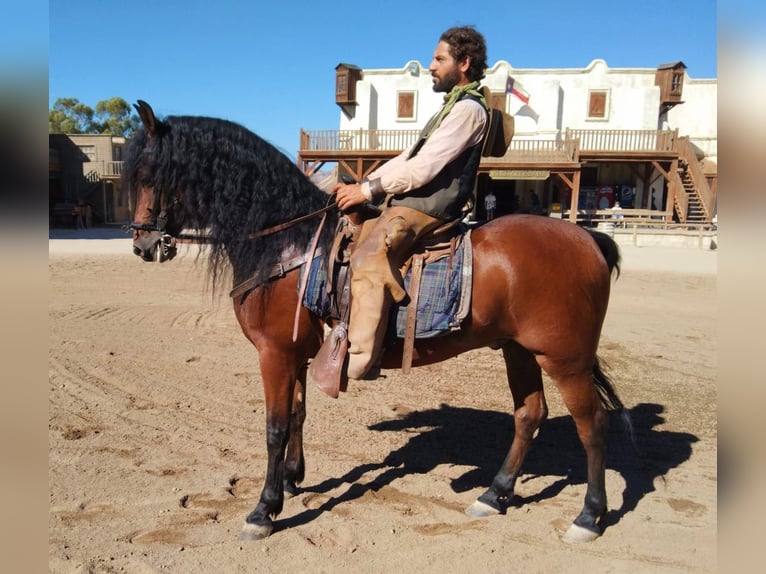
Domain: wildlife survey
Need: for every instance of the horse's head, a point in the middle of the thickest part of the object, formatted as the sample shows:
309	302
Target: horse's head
158	213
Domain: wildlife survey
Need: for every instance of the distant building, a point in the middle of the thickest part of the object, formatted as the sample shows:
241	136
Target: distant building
85	169
584	138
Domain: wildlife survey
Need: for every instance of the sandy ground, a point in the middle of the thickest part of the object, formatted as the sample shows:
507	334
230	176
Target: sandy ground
157	437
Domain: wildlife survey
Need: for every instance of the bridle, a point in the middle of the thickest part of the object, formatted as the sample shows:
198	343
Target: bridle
160	220
160	211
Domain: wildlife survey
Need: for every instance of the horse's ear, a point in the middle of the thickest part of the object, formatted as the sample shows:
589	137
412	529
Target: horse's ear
146	114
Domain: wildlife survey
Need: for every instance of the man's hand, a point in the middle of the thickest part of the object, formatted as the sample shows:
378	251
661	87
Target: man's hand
348	196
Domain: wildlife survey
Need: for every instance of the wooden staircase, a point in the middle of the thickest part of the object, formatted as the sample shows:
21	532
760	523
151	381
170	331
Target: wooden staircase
695	211
92	195
692	202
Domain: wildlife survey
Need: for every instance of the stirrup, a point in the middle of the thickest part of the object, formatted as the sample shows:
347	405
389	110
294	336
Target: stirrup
327	369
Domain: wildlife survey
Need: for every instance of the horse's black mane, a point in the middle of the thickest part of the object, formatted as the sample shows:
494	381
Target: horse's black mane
232	184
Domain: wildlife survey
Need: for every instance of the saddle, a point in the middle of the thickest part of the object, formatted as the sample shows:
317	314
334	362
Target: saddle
436	278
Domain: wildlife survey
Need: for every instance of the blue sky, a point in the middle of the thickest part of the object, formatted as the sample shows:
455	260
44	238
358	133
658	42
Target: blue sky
270	65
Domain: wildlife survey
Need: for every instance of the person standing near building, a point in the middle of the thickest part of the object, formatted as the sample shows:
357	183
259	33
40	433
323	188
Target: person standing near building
490	204
425	187
534	203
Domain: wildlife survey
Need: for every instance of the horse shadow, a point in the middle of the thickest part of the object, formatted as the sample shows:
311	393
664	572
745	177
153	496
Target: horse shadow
480	439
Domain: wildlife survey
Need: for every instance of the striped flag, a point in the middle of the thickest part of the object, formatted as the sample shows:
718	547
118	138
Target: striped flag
515	88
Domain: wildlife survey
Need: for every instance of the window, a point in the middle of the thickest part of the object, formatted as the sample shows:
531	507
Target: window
598	102
405	108
341	85
677	84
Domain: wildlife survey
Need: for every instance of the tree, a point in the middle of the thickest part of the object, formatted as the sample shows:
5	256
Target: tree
113	116
69	116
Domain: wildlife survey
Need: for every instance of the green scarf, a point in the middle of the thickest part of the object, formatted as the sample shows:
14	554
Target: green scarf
451	99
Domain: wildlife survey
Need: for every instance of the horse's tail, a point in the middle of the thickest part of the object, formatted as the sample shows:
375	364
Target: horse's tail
608	397
609	249
605	387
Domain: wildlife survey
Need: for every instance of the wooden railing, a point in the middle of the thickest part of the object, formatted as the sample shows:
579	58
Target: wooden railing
694	169
540	150
520	150
680	199
103	168
623	140
358	140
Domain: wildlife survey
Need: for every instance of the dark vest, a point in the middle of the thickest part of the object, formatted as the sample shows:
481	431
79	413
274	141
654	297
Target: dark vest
446	194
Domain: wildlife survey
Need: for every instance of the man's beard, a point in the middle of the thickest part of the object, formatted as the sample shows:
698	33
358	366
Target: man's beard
449	81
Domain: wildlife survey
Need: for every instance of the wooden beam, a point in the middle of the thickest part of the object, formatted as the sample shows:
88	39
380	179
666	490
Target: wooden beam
575	197
569	183
348	169
372	167
311	167
664	173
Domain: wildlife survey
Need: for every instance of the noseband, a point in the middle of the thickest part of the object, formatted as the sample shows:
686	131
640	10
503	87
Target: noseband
167	243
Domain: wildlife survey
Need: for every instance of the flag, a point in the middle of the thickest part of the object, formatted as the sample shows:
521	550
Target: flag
514	87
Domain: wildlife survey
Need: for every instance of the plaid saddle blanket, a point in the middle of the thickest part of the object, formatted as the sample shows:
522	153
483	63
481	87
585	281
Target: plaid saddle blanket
443	302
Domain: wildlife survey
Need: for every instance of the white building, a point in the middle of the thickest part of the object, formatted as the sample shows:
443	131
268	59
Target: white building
584	137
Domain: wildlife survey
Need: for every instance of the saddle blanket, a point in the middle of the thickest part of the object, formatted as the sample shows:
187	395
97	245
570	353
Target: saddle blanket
443	301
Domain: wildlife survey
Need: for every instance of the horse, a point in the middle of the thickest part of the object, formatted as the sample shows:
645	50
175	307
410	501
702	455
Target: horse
540	293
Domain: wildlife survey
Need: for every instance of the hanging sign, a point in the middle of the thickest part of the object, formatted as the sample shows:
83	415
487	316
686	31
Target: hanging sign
536	174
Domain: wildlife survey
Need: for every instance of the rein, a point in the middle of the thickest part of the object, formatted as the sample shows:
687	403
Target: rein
158	222
168	242
289	224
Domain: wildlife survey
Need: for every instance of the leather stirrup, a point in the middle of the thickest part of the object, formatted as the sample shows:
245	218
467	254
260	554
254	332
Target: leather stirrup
326	370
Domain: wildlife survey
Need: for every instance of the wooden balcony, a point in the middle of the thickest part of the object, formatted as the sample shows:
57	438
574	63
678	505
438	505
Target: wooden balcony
344	141
103	169
617	143
624	145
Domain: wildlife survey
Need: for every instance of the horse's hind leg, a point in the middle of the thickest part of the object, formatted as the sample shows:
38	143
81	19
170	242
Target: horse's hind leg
530	410
590	417
295	465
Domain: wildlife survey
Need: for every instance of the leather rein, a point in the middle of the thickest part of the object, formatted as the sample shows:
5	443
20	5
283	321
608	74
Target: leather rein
168	243
160	220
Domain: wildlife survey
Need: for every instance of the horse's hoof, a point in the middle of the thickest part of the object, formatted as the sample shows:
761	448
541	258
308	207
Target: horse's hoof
577	534
255	531
481	510
289	490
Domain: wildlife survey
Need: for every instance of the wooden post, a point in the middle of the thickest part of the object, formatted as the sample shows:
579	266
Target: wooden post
672	187
575	197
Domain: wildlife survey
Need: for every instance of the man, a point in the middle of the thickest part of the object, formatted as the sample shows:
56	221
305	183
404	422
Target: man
490	203
425	186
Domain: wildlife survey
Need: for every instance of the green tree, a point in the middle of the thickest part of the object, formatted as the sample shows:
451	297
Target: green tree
70	116
113	116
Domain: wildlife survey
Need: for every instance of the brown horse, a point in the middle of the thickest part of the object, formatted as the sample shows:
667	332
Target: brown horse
540	293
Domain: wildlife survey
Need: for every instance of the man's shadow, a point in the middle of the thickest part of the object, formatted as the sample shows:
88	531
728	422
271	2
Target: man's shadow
481	439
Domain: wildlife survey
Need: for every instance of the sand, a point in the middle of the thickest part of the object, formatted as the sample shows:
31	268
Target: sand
157	436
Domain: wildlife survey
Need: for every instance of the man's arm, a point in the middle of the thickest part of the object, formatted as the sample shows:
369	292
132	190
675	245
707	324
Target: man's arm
462	128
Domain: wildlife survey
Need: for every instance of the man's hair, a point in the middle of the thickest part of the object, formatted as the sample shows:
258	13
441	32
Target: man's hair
467	41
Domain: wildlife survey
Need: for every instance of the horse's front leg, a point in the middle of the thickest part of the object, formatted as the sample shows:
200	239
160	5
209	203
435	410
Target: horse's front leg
278	385
530	410
295	465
